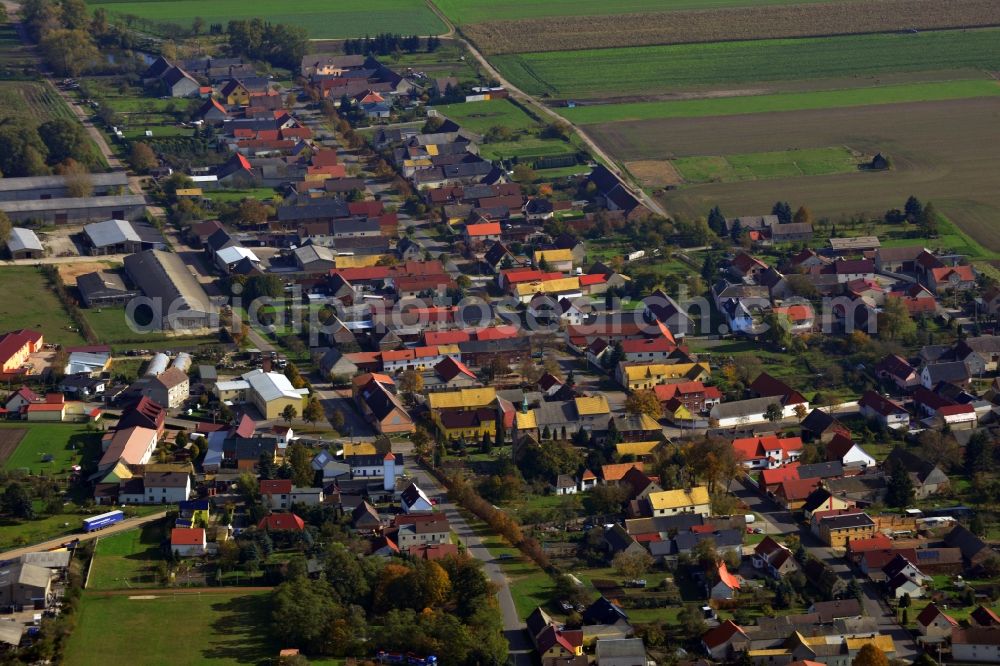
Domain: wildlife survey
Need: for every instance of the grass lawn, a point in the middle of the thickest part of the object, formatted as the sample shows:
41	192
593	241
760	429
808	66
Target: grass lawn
607	72
34	305
481	116
793	101
66	443
349	18
111	327
259	193
128	559
172	629
68	522
757	166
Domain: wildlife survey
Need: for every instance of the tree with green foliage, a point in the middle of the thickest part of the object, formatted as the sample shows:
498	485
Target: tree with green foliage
289	413
313	411
773	412
913	210
717	221
929	221
783	211
900	492
302	611
301	463
65	139
894	321
16	502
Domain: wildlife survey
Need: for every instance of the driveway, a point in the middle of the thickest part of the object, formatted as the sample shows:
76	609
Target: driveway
514	629
355	425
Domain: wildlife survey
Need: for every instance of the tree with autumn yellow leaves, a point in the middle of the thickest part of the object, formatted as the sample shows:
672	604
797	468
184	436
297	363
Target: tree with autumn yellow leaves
643	402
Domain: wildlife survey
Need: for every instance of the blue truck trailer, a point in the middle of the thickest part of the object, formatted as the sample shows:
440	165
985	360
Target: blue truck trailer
95	523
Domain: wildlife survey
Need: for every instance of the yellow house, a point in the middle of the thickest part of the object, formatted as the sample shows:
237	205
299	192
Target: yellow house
271	393
596	405
526	290
470	425
836	531
673	502
358	260
467	398
637	449
235	93
556	260
555	643
638	376
678	414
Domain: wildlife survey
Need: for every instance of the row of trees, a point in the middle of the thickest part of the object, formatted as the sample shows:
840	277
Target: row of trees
279	44
386	43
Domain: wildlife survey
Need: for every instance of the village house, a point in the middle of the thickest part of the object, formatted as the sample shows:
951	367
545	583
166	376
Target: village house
672	502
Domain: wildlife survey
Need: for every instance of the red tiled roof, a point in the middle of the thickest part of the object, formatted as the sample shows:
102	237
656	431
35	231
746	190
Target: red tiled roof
445	337
722	634
502	332
275	486
484	229
281	521
729	579
789	472
187	536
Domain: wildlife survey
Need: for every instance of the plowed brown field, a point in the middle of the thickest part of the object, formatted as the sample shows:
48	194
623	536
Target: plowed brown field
935	157
567	33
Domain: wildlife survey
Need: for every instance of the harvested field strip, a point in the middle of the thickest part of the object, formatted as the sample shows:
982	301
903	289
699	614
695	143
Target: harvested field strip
9	439
567	33
464	12
652	69
829	99
775	164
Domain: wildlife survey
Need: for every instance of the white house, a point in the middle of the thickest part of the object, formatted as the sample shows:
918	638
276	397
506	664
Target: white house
188	541
745	412
976	644
415	500
166	487
849	454
880	408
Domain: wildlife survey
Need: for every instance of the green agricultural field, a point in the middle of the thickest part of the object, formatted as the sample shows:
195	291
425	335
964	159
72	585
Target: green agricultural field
481	116
110	326
757	166
659	69
475	11
67	444
34	305
348	18
825	99
31	99
128	559
172	628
